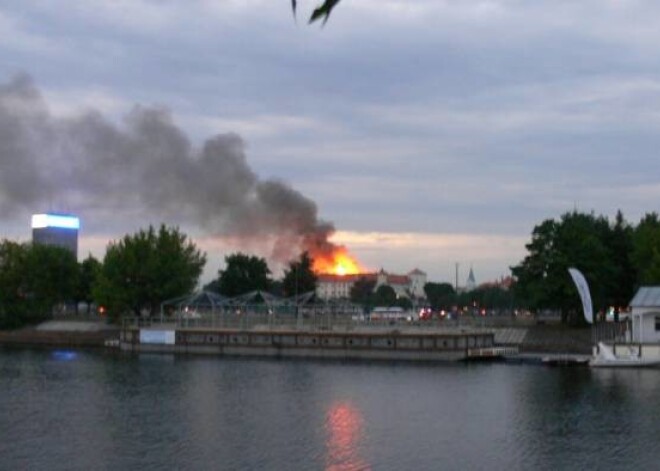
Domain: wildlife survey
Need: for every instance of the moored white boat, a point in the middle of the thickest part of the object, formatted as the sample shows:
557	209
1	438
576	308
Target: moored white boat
631	355
605	357
645	352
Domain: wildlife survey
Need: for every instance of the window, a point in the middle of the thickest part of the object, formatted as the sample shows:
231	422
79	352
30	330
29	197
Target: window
657	323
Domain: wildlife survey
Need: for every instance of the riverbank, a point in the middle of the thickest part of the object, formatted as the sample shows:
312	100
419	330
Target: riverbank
535	340
75	334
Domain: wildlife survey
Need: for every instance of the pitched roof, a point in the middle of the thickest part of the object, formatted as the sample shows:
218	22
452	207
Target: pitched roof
389	279
417	271
397	280
646	296
332	278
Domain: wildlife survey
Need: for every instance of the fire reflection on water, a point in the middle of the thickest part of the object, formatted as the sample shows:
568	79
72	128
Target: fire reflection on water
344	427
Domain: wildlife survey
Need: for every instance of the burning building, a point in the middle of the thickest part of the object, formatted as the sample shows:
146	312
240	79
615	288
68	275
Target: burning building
146	167
338	286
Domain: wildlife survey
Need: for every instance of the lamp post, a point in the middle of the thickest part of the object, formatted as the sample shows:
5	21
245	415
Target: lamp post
298	317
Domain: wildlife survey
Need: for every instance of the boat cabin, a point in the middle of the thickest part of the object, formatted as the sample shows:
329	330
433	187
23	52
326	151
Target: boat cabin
646	315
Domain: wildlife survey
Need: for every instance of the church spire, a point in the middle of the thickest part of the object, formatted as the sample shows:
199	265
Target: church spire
471	281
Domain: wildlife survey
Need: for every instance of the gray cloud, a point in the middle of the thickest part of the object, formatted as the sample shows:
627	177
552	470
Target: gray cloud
400	115
148	165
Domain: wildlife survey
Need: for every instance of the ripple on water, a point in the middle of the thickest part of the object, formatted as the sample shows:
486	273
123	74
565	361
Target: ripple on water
94	411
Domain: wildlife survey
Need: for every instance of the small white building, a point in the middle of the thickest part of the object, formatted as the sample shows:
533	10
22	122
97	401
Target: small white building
646	315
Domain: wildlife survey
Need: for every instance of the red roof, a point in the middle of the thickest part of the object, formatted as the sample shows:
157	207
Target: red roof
390	279
397	280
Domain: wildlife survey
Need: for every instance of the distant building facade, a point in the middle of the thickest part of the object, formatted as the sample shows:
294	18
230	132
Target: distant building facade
60	230
339	286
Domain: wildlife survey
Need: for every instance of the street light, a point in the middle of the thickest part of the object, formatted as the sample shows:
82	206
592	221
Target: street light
298	317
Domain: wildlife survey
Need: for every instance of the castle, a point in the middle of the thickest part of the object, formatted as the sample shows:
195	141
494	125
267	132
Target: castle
411	285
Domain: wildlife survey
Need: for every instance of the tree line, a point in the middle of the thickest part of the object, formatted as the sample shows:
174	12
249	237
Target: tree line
142	270
246	273
615	257
137	274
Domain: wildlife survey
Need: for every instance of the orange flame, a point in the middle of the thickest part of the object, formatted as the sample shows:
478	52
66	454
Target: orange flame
338	262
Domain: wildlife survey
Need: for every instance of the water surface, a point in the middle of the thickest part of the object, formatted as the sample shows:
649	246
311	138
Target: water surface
89	410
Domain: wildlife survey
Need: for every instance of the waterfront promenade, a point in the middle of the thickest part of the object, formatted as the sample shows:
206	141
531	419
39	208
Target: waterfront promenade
527	337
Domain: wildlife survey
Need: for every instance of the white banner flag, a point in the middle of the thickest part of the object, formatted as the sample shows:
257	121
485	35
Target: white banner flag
585	295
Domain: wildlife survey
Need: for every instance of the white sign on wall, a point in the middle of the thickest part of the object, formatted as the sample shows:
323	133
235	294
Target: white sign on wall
158	337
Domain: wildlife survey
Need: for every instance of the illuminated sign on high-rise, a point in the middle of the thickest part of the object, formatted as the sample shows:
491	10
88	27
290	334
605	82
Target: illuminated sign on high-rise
40	221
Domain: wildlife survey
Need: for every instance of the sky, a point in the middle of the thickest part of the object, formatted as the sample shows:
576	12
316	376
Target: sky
430	133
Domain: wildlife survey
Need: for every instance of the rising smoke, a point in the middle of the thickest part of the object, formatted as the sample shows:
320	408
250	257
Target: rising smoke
147	165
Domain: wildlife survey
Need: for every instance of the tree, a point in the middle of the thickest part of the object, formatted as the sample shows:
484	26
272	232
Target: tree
496	297
487	297
646	250
440	295
404	302
384	296
52	275
242	274
13	289
33	279
276	288
576	240
362	291
620	243
299	277
89	271
143	270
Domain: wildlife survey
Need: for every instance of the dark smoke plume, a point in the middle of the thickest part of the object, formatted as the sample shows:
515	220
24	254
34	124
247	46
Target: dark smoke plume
147	166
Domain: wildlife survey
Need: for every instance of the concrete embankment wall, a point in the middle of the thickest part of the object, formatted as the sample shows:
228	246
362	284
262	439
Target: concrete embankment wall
558	338
533	339
61	333
35	338
545	339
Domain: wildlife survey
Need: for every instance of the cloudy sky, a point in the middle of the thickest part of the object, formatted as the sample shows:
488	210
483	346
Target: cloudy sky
430	132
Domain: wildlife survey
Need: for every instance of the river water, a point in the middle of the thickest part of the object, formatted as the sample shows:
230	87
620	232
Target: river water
84	410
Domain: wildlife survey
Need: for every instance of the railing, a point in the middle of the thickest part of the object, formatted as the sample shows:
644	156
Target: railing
610	332
243	322
316	320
